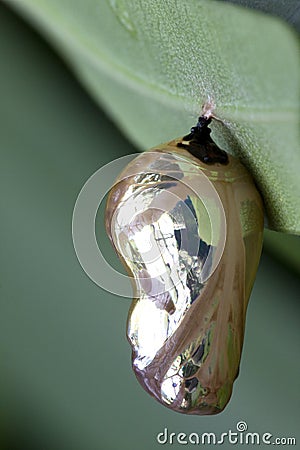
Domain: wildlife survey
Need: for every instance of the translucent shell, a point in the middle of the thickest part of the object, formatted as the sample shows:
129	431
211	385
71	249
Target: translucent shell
190	235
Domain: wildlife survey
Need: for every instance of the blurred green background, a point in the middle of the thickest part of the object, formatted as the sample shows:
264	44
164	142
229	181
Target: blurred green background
65	376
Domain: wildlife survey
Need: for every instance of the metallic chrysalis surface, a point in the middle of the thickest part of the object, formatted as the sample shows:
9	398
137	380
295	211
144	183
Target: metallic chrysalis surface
187	222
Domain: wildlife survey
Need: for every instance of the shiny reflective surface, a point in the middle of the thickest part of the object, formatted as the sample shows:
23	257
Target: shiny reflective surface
191	236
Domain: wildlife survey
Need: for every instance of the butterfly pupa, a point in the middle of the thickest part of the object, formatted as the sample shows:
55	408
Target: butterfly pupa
186	220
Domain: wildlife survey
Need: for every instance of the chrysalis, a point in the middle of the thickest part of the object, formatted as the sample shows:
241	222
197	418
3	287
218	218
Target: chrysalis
186	220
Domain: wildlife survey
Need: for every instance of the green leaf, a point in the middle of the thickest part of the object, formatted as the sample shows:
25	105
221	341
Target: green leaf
288	10
152	64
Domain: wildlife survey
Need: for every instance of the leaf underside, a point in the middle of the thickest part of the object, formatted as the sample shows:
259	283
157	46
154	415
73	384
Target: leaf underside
289	10
152	65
